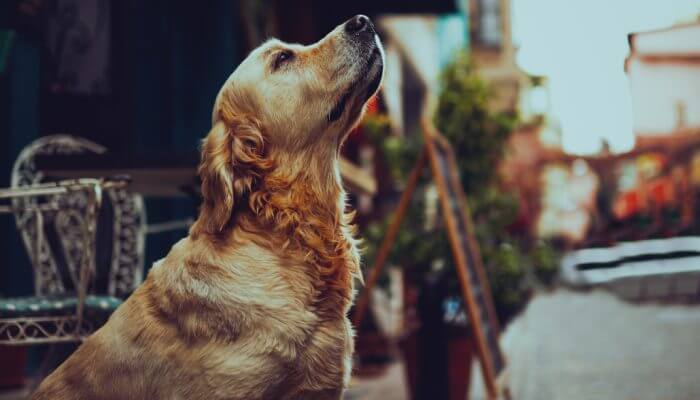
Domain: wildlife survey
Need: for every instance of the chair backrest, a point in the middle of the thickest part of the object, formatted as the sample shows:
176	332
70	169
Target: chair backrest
120	229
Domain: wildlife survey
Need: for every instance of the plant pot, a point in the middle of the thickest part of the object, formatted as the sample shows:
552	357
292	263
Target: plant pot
373	354
13	366
460	353
424	345
438	356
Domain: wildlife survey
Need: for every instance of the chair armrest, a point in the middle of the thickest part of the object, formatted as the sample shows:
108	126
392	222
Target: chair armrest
63	187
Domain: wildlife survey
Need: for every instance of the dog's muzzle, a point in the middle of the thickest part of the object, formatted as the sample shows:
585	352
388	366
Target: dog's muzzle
360	30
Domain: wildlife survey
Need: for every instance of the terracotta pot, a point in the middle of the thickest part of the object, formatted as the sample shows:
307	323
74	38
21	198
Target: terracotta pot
373	354
13	366
425	344
460	353
460	356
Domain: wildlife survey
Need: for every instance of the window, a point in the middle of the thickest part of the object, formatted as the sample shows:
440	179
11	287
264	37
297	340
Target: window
487	23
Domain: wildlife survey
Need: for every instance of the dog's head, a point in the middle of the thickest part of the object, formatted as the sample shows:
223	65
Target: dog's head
286	106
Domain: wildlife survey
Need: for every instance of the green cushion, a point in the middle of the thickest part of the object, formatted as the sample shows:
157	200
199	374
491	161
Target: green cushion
36	306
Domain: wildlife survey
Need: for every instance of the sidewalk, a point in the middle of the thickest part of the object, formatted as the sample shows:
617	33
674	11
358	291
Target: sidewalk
581	346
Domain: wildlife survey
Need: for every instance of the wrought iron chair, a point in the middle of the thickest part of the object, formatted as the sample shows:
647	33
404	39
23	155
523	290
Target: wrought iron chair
55	315
82	268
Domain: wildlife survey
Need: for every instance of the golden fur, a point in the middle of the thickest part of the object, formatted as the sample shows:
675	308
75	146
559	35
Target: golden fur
253	303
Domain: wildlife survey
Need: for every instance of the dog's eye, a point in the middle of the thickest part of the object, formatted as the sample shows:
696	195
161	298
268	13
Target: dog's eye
282	57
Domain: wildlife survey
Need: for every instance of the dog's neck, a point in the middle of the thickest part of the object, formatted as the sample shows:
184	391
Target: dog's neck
315	171
301	208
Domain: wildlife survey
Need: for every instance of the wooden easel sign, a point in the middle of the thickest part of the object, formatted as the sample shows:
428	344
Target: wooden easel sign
475	289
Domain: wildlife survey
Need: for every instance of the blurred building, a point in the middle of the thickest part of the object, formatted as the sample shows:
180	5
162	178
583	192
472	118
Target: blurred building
663	69
491	46
646	192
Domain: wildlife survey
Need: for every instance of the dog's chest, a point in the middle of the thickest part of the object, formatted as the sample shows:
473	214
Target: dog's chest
273	364
257	325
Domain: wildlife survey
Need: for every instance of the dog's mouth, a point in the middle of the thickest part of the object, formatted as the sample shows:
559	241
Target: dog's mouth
372	69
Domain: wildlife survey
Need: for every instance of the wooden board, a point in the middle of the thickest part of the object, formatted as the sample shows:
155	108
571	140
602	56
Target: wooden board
475	288
476	291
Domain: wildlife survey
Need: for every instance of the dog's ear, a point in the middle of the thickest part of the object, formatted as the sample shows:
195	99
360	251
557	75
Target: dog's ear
233	158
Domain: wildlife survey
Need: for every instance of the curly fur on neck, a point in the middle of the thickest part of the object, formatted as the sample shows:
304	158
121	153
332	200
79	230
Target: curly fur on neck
299	211
320	231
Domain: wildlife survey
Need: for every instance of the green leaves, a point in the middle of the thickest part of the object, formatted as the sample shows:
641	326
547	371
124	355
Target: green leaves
399	153
479	137
545	262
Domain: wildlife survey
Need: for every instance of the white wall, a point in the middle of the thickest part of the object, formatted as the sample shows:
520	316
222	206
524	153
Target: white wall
659	90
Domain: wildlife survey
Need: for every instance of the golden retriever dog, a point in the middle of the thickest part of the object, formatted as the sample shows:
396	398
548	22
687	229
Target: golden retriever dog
253	303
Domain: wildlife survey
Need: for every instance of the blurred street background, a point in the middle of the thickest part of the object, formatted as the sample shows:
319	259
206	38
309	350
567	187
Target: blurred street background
576	130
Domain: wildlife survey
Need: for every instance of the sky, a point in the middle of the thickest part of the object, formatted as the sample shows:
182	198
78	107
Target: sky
581	45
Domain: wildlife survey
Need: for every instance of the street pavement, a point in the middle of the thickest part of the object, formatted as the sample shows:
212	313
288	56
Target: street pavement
593	346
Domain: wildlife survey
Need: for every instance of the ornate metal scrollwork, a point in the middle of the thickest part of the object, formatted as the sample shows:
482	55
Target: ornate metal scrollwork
36	330
129	226
67	218
126	270
47	277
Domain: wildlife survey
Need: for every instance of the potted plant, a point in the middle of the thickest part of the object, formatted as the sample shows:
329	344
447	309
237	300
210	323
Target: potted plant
514	264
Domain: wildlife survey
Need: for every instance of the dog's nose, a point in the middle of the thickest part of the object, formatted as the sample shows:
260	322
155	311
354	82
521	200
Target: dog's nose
358	23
